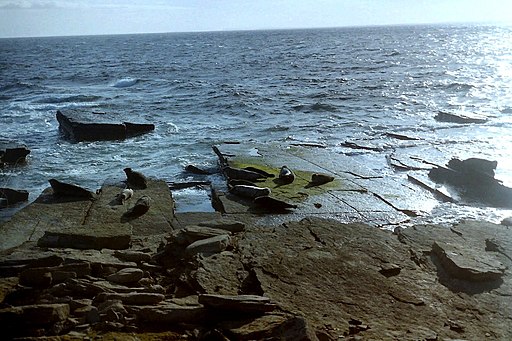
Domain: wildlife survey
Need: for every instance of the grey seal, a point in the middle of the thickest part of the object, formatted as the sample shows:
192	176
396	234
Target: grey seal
140	208
136	180
242	174
249	191
286	176
62	189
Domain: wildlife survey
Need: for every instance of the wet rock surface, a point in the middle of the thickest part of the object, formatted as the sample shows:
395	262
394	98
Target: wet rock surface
80	125
245	275
12	152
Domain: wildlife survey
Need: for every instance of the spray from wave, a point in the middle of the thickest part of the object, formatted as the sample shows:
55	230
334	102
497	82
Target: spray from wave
125	83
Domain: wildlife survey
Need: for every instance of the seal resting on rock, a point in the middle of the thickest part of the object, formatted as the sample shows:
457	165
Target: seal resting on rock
286	176
140	208
242	174
273	205
136	180
249	191
124	195
320	179
62	189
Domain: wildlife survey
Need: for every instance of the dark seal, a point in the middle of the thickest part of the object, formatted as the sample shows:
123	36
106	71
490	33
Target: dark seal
135	180
62	189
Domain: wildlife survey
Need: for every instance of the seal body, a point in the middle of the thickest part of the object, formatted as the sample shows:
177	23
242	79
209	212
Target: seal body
62	189
272	204
125	194
286	176
242	174
320	179
135	180
250	192
140	208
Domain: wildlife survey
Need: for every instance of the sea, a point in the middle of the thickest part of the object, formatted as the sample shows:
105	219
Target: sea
319	86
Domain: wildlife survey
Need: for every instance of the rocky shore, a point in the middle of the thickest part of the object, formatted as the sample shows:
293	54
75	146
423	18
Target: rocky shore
125	265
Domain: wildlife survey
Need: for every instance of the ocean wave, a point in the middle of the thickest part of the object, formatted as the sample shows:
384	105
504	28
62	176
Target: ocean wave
68	99
17	86
124	83
318	106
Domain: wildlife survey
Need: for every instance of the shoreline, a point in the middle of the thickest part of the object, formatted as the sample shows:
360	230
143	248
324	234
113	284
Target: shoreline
83	268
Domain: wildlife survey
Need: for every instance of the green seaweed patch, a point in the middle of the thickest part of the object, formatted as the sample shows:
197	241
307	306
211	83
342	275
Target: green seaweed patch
299	190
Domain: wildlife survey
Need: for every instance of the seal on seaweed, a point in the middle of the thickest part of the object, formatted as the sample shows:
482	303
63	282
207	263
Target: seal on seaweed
286	176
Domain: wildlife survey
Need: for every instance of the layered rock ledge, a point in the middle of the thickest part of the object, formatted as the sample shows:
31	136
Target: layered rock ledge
200	276
78	125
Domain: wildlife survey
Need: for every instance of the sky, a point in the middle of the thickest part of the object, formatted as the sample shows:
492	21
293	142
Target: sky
31	18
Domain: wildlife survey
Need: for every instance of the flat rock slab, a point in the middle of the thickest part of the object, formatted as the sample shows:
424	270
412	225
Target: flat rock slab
467	263
357	192
80	125
238	303
102	221
109	236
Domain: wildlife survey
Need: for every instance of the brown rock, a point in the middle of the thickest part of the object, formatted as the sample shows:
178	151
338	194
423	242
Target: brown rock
270	327
131	298
225	224
192	233
167	312
22	320
238	303
109	236
209	246
468	264
126	275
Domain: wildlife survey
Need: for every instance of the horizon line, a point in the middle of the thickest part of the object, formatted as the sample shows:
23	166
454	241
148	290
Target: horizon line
268	29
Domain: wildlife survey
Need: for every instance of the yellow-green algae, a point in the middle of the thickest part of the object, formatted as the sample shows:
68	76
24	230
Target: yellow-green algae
299	190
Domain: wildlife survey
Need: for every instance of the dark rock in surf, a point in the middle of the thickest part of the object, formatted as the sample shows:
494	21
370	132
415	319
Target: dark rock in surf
195	170
12	152
474	180
79	125
12	196
474	165
465	118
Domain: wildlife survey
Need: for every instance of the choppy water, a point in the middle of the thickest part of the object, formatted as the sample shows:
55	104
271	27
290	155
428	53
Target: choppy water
325	86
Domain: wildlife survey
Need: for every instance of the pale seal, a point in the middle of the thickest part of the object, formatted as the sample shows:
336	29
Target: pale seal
62	189
286	176
125	194
250	192
136	180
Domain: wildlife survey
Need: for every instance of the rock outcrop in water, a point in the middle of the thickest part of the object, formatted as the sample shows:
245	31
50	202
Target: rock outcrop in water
12	152
79	125
474	180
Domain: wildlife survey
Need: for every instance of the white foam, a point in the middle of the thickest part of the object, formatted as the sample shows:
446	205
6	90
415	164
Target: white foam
125	82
